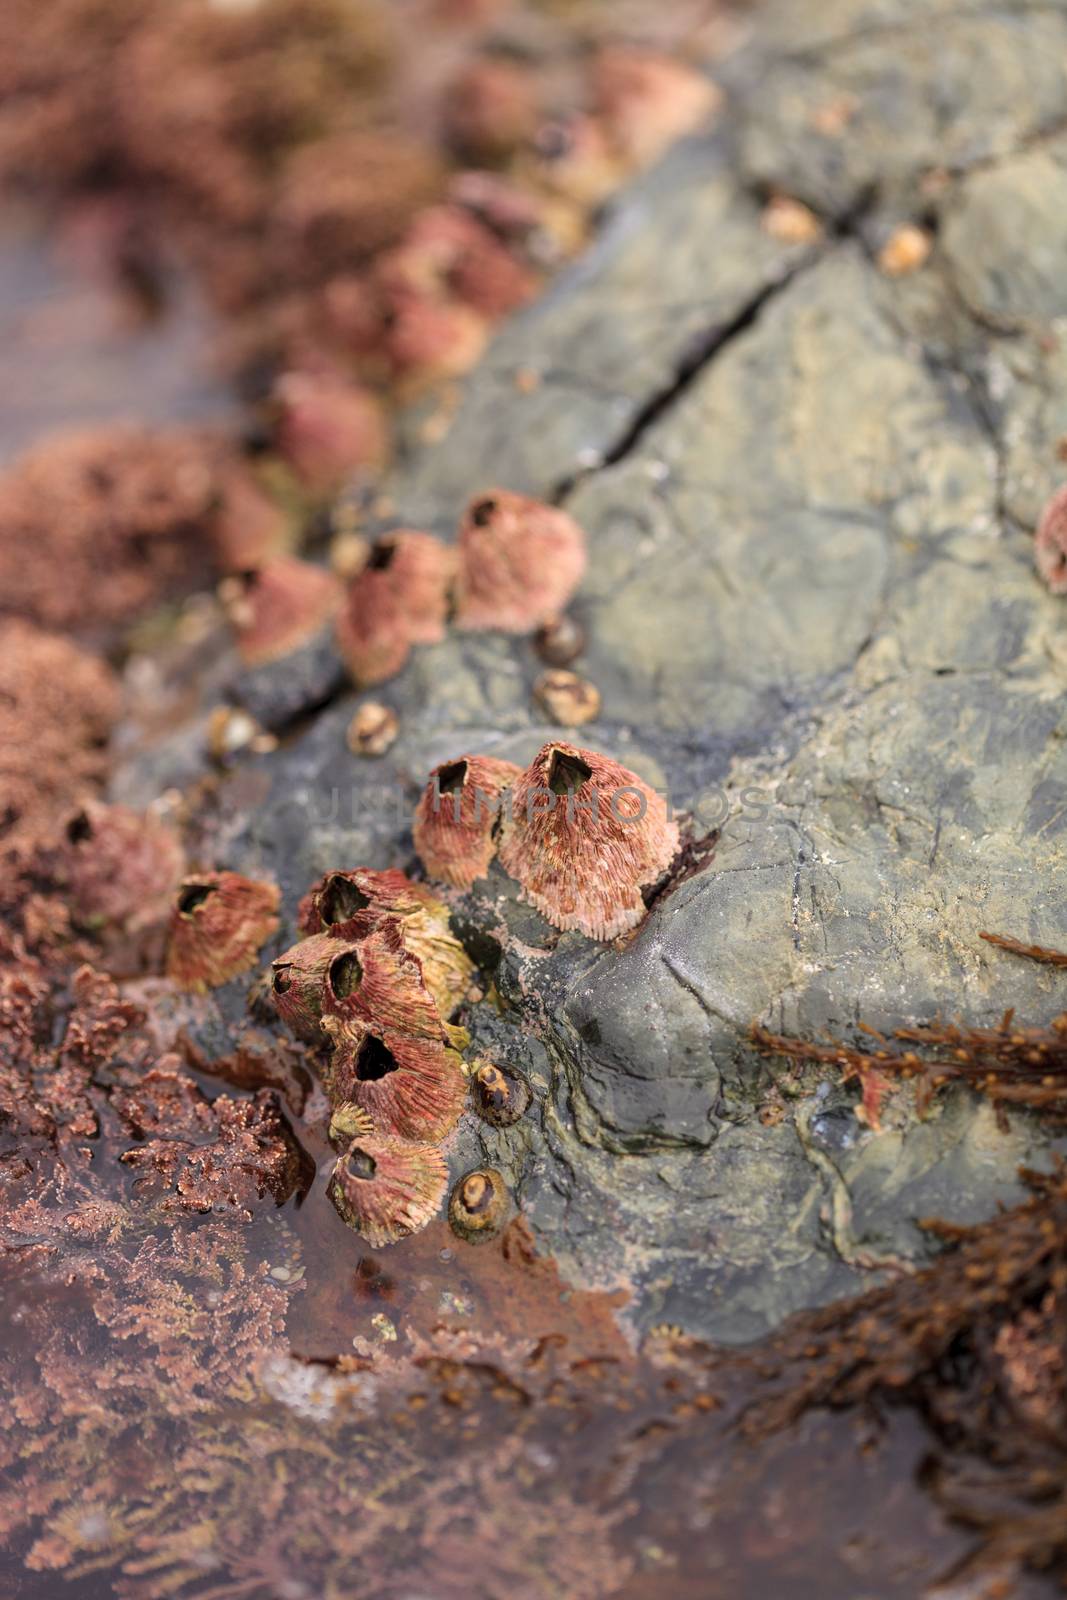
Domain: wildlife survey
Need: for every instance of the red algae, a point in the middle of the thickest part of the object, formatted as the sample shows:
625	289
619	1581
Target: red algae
585	835
456	818
219	923
520	563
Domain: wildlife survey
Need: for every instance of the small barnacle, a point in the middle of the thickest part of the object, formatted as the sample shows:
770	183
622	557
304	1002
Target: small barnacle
479	1205
359	900
905	251
219	923
520	562
567	698
490	109
429	338
298	982
583	837
387	1188
411	1087
399	598
349	1122
456	817
1050	547
501	1095
560	642
327	427
372	730
789	221
279	606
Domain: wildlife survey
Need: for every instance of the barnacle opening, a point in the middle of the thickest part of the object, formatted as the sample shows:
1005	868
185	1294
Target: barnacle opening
360	1164
282	980
381	556
567	773
193	896
346	974
340	900
374	1060
450	779
79	828
482	512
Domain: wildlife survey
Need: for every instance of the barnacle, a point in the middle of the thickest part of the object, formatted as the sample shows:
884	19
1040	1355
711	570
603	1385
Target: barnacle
298	982
399	598
479	1205
567	698
646	101
409	1086
219	923
387	1188
520	562
500	1094
349	1122
456	817
277	607
359	900
326	427
121	869
583	837
490	108
1050	546
379	980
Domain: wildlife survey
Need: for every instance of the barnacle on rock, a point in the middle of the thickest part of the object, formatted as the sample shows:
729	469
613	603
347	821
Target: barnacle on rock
298	982
408	1086
479	1205
500	1094
120	869
379	980
219	923
647	101
520	562
357	901
326	427
399	598
280	606
388	1188
455	821
1050	546
584	836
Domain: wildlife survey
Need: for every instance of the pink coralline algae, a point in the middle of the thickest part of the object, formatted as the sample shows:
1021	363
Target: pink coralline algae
456	818
219	923
584	836
520	563
224	1155
399	599
1050	546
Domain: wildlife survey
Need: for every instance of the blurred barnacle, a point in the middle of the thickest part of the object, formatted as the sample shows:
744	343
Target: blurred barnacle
479	1205
409	1086
567	698
388	1188
448	253
584	836
490	108
120	868
455	820
501	1095
428	338
1050	545
574	158
278	607
327	427
398	599
372	730
560	642
219	923
647	101
520	562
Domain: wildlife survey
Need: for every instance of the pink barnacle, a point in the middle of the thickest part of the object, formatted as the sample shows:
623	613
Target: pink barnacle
583	837
520	562
455	821
398	599
1050	547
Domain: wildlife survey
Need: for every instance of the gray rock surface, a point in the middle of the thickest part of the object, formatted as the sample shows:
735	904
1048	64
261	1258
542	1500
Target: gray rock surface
813	617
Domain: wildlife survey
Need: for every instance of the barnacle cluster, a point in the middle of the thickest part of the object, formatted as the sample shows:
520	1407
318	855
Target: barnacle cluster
376	982
516	565
582	834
